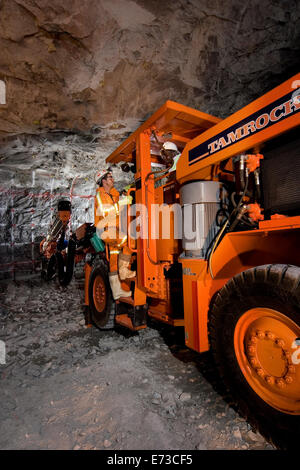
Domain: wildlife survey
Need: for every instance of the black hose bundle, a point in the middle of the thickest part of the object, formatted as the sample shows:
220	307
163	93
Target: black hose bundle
236	213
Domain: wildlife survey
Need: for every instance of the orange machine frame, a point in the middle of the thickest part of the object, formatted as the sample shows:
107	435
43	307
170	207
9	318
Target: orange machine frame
184	124
263	119
191	131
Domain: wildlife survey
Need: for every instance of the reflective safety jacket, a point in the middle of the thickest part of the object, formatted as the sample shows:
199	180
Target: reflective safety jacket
175	160
106	203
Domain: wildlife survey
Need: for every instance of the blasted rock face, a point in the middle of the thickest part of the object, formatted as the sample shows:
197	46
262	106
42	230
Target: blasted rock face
74	64
81	75
37	171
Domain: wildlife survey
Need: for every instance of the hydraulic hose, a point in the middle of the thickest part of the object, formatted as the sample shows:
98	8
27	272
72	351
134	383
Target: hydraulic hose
214	247
65	276
237	210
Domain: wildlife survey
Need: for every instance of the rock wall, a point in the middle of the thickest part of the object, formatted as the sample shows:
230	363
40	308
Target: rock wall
73	64
37	171
82	74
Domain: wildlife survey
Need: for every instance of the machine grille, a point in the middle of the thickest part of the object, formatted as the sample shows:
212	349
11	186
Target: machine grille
280	172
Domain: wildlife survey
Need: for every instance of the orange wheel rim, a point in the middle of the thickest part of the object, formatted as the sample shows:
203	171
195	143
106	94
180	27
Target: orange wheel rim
99	293
265	348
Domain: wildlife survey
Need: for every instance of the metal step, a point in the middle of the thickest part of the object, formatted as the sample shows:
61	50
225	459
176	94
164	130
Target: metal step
126	300
124	320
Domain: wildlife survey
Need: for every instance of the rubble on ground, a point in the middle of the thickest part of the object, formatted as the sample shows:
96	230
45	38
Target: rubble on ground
65	386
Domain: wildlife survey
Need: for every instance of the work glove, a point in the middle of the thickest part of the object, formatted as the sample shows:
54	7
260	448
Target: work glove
125	200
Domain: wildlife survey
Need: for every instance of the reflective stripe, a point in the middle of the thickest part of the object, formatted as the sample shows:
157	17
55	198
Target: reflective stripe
175	160
114	252
108	209
100	203
122	241
99	199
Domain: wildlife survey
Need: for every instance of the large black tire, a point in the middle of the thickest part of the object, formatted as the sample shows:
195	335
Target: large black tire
242	356
101	304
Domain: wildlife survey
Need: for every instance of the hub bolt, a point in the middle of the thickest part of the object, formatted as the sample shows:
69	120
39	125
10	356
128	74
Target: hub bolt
260	334
270	335
260	372
280	383
280	342
253	361
251	350
270	380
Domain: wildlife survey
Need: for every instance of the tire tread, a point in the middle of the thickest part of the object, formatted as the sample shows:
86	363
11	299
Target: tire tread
99	262
283	282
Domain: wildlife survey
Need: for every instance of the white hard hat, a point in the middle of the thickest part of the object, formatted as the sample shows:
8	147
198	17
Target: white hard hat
100	175
170	146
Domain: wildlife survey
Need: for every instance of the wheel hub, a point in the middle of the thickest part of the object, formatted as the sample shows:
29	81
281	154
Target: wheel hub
263	340
270	359
99	293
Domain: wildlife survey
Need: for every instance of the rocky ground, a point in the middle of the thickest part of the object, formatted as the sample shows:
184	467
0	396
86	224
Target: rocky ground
65	386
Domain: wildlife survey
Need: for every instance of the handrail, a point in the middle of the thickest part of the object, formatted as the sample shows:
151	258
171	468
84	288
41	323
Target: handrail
152	173
134	250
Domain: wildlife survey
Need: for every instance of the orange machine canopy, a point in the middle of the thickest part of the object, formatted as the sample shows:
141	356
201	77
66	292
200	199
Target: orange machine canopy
172	121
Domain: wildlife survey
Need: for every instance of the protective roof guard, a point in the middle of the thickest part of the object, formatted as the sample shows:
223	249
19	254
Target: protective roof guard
183	122
275	112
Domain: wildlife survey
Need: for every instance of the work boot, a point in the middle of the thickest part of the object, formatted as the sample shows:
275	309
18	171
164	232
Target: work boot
116	287
123	263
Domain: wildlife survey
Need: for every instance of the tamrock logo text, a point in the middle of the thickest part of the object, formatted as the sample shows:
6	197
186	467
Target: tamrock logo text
262	119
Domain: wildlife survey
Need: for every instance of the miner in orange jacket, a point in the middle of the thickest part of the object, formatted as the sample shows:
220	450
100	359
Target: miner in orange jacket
107	208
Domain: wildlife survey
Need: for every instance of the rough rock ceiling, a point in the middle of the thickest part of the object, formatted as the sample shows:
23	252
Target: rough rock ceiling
77	64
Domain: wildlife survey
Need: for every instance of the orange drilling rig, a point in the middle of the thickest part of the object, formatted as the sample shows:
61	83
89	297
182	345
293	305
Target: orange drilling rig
226	266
